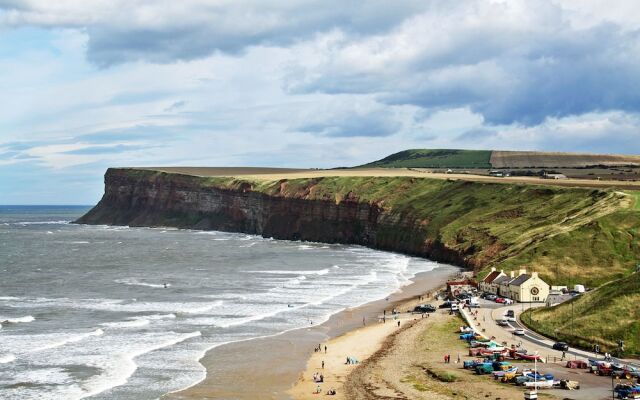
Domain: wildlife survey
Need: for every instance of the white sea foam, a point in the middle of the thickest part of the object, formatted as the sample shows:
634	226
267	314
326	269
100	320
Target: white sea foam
19	320
135	282
125	368
26	223
130	323
7	358
80	242
68	340
291	272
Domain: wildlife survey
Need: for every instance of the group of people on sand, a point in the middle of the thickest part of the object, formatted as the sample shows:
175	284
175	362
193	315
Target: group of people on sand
319	349
318	378
330	392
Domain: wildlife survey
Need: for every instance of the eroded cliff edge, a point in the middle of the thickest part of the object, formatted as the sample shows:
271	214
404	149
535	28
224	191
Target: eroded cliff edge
470	224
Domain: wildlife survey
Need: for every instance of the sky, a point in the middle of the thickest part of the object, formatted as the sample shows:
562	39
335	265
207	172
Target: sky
91	84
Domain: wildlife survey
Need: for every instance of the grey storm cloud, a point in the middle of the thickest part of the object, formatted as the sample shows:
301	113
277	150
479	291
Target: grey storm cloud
165	31
513	62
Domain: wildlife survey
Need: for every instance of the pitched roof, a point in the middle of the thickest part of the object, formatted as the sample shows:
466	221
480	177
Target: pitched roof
501	280
493	275
520	280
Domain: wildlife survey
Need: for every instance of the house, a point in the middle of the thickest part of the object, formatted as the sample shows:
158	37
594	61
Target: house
486	284
458	287
527	288
502	285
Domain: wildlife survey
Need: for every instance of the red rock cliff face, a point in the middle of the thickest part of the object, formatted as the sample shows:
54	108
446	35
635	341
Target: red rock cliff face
139	198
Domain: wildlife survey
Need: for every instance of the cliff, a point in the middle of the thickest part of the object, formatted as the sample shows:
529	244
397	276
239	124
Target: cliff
471	224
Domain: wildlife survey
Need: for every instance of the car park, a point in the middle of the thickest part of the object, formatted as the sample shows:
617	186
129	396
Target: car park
562	346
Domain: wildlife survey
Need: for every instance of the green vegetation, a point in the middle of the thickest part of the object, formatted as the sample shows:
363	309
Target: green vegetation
636	196
417	385
442	376
435	158
603	316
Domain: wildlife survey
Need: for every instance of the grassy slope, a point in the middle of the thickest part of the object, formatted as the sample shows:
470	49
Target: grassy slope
601	316
436	158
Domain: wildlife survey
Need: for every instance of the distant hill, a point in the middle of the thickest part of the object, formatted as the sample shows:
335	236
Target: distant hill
452	158
435	158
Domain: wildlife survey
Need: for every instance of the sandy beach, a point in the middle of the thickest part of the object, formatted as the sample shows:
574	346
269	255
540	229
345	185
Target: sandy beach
268	368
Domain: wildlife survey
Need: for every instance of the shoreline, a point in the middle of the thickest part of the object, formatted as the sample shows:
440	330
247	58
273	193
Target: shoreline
269	367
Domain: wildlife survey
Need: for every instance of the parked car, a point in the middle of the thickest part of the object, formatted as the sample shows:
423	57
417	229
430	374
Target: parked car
491	297
518	331
625	371
503	322
562	346
500	300
424	308
508	302
454	307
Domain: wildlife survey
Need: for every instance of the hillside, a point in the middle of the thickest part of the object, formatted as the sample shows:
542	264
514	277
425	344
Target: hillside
435	158
601	316
477	159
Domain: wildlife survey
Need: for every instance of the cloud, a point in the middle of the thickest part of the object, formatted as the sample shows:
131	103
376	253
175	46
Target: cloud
368	123
165	31
511	62
109	149
176	106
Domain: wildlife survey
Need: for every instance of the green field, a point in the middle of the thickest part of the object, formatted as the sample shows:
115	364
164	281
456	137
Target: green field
435	158
602	316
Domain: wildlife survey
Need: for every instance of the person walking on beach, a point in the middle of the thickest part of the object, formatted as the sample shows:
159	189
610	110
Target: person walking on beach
325	349
363	323
322	364
398	324
445	358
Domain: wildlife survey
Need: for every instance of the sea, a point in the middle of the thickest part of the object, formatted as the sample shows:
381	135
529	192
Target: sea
116	312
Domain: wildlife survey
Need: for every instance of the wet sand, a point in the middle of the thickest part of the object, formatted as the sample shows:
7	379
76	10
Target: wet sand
267	368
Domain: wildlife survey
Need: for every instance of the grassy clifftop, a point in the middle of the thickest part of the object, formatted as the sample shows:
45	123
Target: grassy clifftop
601	316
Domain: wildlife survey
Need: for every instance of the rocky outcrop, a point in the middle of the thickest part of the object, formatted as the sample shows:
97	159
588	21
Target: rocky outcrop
149	198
